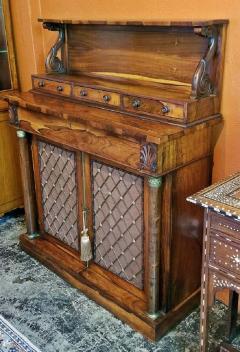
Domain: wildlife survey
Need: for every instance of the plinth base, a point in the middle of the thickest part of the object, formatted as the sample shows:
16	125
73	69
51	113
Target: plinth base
123	304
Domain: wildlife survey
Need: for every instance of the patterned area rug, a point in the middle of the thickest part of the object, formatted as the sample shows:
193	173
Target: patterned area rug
12	341
59	318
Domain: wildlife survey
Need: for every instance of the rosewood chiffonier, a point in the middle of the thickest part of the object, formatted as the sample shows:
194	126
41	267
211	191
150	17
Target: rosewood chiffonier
113	138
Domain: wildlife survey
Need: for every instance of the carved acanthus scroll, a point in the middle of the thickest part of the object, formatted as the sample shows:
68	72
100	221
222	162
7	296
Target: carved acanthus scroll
13	114
53	63
148	157
201	84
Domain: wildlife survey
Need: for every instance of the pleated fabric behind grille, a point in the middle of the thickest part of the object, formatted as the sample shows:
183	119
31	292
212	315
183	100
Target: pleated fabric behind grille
118	222
59	196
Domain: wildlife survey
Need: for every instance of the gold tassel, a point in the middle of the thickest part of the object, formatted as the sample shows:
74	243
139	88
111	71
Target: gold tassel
86	248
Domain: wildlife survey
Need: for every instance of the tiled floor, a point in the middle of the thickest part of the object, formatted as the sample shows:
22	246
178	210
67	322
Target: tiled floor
58	318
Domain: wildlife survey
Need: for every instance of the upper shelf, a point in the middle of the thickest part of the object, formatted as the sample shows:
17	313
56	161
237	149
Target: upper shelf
183	58
166	23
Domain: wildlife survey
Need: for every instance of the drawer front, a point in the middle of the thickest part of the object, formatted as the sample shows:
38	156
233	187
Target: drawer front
96	95
225	254
52	87
229	226
153	107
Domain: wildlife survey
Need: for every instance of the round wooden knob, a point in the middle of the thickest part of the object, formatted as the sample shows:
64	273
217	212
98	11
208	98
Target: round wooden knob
41	84
59	88
136	103
165	109
106	98
83	93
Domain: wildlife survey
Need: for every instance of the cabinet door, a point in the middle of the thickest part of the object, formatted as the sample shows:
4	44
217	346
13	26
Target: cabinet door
118	221
57	190
68	182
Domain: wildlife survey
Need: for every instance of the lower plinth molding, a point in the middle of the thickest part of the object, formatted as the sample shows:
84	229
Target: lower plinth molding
130	310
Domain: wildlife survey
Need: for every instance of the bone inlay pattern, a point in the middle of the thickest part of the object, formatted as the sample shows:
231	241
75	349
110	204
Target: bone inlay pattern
224	283
59	195
222	197
225	254
118	222
204	287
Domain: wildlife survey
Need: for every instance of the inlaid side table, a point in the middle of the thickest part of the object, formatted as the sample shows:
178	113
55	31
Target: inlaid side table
221	250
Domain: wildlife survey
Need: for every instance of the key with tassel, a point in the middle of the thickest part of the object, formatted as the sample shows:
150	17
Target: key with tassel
86	248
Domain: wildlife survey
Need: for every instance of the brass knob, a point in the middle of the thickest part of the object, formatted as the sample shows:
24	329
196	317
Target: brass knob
59	88
106	98
165	109
83	93
41	84
136	103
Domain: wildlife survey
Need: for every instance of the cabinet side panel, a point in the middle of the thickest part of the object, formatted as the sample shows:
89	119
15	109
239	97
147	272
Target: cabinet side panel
187	225
118	222
59	195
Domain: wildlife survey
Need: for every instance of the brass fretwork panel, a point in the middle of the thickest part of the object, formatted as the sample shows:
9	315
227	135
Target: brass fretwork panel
118	221
59	196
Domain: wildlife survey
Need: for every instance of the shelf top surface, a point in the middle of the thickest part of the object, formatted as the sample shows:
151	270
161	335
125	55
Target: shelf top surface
222	197
161	23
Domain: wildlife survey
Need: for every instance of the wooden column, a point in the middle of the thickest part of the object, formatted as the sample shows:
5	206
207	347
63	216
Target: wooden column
154	216
28	185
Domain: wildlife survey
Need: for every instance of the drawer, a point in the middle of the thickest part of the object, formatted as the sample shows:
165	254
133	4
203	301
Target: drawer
224	254
229	227
153	107
96	95
52	86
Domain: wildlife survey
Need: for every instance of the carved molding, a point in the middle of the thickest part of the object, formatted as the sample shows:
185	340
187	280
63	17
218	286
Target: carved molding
201	84
53	63
148	157
13	115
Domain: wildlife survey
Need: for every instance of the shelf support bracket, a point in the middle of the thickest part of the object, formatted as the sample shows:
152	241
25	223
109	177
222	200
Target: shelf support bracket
53	63
201	83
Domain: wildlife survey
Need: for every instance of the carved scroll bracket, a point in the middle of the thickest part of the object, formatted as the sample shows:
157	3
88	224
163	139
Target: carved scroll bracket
148	157
53	63
201	84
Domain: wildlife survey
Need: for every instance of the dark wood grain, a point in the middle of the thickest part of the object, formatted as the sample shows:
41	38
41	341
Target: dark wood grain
146	58
187	228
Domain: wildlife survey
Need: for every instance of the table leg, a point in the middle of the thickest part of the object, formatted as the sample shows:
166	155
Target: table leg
233	314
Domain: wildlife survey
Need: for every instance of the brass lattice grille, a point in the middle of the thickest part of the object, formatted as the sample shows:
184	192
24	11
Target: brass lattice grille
59	196
118	221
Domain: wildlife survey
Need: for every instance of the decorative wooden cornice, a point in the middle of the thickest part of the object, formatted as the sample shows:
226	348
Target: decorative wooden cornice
201	84
53	63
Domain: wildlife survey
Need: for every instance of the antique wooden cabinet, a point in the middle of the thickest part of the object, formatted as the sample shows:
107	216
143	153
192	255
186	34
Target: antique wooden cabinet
114	137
